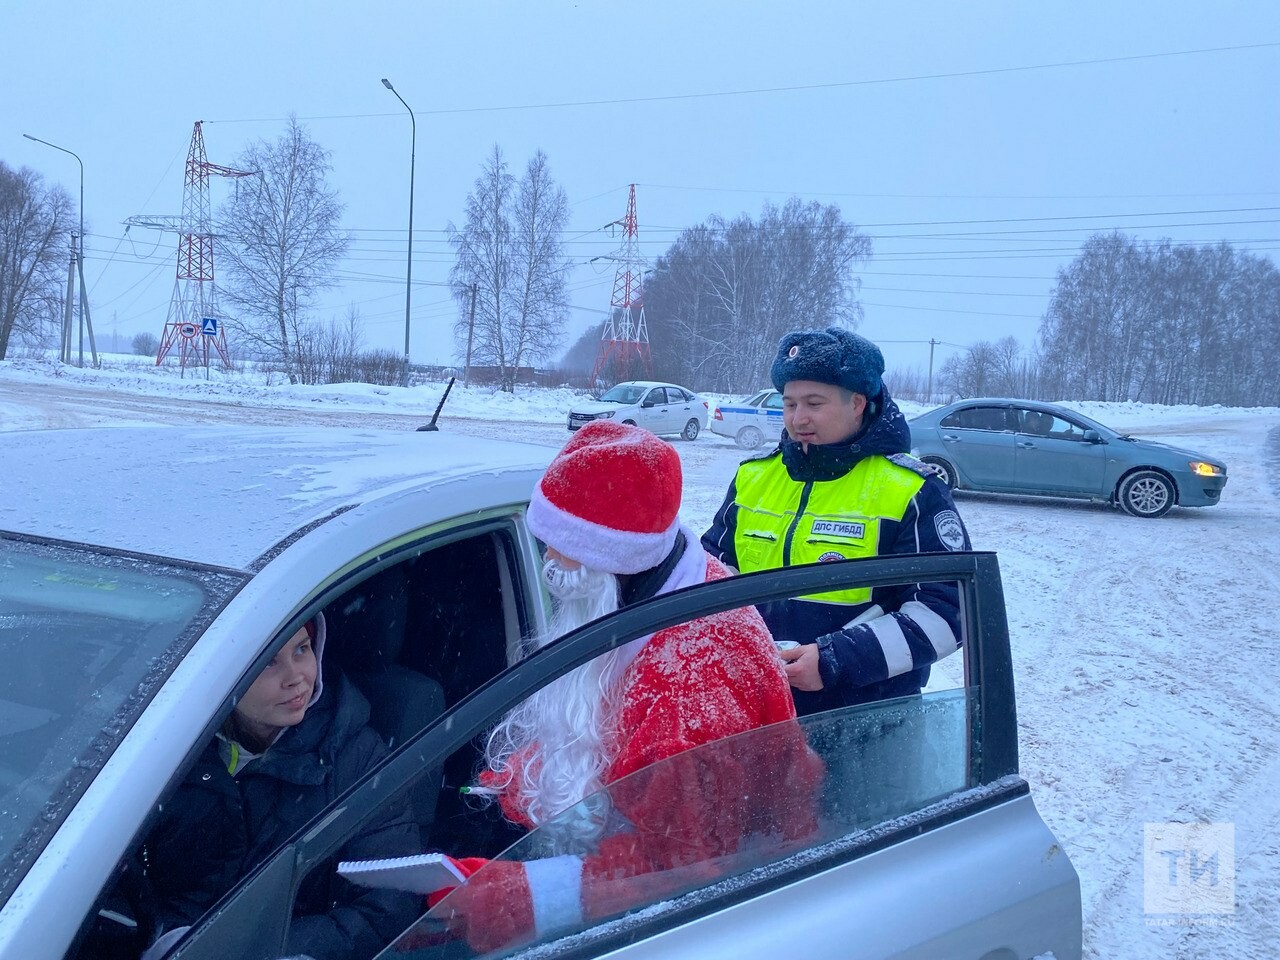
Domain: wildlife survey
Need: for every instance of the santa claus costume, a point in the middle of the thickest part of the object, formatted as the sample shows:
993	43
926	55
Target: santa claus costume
610	502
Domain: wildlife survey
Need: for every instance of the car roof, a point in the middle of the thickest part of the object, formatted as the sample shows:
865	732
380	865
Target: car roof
223	496
986	400
649	383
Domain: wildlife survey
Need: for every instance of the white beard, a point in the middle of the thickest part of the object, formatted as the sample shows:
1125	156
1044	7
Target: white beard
553	745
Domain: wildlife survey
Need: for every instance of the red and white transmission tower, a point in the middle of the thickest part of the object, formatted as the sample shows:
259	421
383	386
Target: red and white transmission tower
193	322
625	334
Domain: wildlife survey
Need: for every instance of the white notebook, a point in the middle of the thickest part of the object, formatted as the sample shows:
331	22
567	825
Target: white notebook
421	873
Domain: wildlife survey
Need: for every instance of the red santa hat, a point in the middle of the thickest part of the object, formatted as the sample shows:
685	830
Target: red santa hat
610	499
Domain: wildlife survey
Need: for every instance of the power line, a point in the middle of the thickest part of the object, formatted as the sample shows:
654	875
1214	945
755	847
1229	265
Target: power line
792	88
955	196
959	293
976	313
670	229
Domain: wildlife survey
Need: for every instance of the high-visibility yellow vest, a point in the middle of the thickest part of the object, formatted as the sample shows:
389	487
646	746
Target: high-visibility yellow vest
781	522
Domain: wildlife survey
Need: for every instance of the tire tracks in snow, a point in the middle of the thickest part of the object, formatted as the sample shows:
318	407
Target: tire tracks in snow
1148	687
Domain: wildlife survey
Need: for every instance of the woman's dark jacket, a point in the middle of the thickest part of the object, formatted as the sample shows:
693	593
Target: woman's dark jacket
216	828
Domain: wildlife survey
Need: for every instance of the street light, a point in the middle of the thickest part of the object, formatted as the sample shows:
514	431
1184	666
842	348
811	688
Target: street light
67	359
408	276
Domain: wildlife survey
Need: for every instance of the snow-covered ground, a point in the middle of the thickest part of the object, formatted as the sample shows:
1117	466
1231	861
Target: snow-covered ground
1145	650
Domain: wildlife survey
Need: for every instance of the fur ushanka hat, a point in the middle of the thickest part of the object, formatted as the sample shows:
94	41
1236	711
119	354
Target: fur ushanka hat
835	356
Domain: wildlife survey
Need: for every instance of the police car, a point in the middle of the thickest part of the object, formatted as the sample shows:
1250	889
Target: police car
751	422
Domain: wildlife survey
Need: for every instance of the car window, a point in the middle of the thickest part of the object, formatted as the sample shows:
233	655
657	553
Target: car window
1042	423
773	401
657	396
979	418
756	398
728	809
415	631
936	736
86	638
1063	429
623	393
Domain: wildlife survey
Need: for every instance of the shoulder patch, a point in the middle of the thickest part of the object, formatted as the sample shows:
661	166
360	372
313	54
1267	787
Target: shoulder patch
908	462
950	529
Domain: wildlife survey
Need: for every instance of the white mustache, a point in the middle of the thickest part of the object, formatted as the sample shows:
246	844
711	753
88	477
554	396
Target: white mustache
576	584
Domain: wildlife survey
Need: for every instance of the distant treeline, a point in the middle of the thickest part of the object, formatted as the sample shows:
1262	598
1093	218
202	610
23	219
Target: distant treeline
1163	323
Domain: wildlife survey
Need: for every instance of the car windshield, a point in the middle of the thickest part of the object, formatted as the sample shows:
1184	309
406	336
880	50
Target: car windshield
86	638
735	811
624	393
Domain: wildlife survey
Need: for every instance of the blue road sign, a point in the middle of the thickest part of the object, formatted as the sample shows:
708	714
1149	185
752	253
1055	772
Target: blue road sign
210	326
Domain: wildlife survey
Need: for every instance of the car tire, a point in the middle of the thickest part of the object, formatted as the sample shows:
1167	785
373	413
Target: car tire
749	438
946	472
690	431
1147	494
629	423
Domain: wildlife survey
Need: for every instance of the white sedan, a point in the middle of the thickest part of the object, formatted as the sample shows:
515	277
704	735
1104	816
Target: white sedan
663	408
751	422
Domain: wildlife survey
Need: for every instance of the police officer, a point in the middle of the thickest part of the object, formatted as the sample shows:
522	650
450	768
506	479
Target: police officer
841	484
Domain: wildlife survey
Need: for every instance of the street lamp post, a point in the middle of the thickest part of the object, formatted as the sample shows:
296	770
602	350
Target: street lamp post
80	255
408	277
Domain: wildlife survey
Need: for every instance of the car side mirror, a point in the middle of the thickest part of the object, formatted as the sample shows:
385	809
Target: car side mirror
647	403
1092	436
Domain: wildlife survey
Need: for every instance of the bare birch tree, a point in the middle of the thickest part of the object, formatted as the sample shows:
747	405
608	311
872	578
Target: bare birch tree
510	250
280	241
35	226
1131	320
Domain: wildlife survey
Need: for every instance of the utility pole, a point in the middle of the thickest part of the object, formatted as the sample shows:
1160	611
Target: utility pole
471	329
408	270
76	258
932	344
87	321
68	305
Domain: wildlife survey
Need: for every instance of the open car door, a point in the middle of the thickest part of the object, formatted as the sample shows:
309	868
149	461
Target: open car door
893	829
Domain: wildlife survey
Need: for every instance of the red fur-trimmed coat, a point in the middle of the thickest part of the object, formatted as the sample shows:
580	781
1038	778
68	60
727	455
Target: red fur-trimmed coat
690	684
688	819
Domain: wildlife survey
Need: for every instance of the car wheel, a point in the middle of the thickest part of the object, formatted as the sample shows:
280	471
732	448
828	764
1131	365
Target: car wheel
690	431
946	472
1146	494
749	438
629	423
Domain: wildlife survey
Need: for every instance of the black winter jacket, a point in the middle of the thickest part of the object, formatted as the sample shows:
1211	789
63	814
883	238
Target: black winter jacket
216	828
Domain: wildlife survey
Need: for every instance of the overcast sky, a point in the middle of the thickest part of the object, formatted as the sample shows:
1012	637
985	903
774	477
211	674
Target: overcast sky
910	117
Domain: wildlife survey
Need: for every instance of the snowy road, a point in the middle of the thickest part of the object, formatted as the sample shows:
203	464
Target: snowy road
1145	650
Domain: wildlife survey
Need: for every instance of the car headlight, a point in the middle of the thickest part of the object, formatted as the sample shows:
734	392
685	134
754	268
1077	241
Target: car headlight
605	416
1202	469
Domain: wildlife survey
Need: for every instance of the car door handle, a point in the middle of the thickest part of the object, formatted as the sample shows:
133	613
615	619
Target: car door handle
950	438
1026	444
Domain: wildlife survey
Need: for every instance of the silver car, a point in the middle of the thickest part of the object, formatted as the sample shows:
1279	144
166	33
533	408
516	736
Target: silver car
1041	449
664	408
148	575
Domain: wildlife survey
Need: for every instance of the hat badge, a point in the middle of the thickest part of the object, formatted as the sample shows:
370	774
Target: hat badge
793	352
